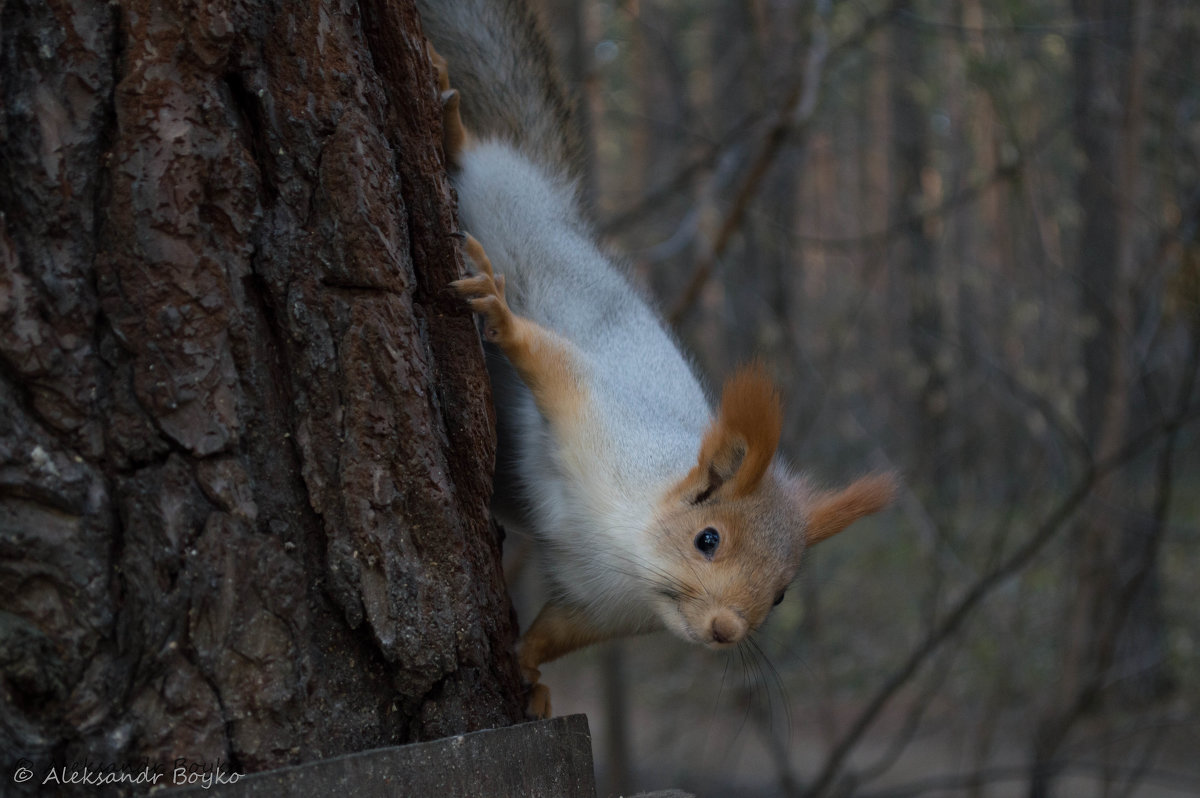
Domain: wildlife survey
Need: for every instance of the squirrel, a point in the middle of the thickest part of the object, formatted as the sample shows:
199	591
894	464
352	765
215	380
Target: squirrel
651	511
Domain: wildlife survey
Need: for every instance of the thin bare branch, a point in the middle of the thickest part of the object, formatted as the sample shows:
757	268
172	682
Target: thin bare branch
792	121
1047	531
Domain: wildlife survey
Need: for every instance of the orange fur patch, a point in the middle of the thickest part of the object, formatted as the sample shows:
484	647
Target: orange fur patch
832	512
556	631
751	415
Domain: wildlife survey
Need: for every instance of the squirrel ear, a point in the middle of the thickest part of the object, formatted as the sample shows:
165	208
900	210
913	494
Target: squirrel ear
741	441
831	512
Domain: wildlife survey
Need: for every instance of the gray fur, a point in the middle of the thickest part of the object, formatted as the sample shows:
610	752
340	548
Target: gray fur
501	63
591	510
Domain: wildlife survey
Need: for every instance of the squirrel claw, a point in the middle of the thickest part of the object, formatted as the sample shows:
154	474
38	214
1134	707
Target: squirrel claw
439	66
454	133
482	262
539	694
484	293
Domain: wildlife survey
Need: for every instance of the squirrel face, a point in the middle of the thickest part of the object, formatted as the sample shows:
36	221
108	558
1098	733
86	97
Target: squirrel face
730	559
729	536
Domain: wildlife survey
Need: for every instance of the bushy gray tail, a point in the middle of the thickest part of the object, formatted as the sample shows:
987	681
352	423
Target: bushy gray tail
502	65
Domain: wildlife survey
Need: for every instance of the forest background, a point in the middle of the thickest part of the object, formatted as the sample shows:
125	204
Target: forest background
964	236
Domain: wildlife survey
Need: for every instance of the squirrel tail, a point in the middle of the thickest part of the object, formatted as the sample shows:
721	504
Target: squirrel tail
500	61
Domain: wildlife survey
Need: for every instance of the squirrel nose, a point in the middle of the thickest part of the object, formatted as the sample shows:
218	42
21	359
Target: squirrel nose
727	627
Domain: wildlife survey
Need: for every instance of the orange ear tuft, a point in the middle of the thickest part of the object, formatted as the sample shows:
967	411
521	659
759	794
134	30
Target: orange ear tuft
832	512
743	438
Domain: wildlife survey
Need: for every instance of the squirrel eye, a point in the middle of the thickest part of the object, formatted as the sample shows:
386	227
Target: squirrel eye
779	598
707	542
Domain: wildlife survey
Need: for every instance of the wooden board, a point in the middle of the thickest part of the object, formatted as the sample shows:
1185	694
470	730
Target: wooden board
551	758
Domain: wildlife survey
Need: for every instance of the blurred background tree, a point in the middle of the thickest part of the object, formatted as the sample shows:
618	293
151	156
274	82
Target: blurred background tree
964	236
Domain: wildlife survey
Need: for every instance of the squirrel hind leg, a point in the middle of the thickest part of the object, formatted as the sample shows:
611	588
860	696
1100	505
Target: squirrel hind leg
455	138
558	629
539	702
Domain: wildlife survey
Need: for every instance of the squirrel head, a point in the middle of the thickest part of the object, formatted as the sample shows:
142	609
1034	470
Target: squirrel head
731	533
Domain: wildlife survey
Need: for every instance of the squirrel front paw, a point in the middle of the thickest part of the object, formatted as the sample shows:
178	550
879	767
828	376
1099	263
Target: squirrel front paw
485	294
546	362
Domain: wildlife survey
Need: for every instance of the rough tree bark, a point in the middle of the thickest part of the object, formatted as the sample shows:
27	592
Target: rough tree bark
244	430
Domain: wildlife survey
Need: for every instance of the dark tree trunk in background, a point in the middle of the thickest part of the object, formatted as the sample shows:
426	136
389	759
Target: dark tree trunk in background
1112	546
244	434
1115	635
915	253
1120	627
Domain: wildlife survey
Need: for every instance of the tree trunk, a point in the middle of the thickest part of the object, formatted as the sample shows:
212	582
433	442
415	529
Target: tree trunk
915	253
244	430
1115	633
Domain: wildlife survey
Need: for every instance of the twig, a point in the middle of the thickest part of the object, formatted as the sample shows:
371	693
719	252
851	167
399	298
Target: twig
1046	532
795	114
793	118
1055	730
911	724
